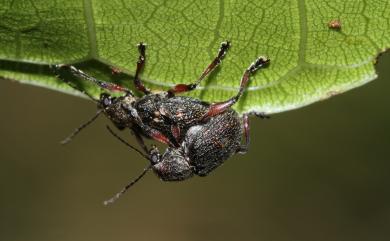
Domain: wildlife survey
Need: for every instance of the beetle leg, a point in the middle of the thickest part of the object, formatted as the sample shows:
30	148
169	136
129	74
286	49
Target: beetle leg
245	122
175	129
180	88
147	130
140	65
57	68
157	135
80	74
219	107
261	115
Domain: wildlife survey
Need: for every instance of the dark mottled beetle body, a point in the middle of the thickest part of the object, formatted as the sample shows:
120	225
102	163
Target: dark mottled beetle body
203	144
113	109
170	115
200	135
210	144
205	147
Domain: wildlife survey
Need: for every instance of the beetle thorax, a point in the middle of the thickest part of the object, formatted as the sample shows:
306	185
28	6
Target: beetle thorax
119	111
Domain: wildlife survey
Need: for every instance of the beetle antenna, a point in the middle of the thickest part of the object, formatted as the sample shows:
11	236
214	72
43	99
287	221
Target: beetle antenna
134	181
80	128
126	143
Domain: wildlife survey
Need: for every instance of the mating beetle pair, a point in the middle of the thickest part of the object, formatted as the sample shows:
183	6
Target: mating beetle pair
200	135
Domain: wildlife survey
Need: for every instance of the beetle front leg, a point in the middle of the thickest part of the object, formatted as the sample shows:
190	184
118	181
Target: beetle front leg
140	65
80	74
146	129
156	135
180	88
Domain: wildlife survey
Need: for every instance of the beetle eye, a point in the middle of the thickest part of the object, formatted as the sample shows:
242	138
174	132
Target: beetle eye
107	101
154	158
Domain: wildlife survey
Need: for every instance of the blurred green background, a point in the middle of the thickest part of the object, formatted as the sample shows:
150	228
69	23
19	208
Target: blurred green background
317	173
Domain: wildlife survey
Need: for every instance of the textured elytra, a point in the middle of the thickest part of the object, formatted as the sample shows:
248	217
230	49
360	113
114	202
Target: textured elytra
205	147
309	61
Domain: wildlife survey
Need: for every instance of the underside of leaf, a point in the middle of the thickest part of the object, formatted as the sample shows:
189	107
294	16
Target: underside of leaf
310	60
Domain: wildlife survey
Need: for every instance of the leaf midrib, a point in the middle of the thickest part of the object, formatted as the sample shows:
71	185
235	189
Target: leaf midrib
91	28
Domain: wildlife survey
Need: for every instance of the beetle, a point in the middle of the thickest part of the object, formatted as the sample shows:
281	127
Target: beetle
200	135
334	24
146	116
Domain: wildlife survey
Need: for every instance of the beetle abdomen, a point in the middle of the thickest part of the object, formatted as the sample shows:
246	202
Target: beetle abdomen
210	144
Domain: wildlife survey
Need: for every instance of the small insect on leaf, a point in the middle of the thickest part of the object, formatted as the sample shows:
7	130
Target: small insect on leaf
115	71
334	24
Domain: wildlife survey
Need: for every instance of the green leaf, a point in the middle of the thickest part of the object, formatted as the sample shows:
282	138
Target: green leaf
309	60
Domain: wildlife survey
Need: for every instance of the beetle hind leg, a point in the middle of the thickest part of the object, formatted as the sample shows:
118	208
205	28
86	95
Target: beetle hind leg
220	107
245	124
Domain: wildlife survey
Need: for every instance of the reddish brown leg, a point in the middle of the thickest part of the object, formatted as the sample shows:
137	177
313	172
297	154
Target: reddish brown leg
80	74
175	132
147	130
180	88
140	65
220	107
156	135
245	122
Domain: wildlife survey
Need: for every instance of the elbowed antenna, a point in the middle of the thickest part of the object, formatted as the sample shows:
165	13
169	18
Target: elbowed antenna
134	181
60	69
80	128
